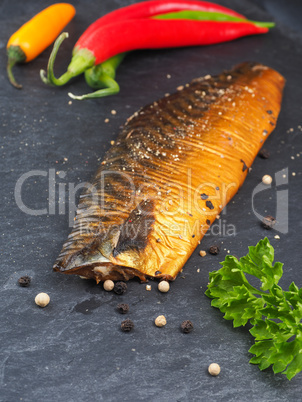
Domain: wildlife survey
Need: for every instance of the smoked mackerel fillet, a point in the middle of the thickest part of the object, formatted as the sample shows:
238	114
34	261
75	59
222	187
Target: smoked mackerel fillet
174	166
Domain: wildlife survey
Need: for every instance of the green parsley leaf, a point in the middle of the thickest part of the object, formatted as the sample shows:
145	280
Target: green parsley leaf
275	315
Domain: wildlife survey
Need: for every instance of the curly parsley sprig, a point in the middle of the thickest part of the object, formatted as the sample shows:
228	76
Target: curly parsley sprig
275	314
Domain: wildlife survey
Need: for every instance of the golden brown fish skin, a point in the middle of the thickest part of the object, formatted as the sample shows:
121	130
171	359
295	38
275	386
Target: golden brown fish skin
175	165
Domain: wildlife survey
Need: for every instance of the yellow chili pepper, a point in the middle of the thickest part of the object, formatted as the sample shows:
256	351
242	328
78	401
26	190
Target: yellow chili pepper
36	35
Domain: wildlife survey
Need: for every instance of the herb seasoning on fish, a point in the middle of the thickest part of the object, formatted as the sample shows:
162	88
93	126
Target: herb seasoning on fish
152	182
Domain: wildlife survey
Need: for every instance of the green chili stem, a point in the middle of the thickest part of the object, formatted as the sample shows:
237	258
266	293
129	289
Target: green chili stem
12	80
111	88
81	60
102	77
14	55
209	16
94	75
110	66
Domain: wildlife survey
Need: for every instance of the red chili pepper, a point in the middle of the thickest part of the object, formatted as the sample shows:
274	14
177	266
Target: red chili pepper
106	41
140	10
150	8
102	76
110	40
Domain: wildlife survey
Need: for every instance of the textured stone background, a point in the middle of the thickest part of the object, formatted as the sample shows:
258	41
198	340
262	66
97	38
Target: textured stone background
73	350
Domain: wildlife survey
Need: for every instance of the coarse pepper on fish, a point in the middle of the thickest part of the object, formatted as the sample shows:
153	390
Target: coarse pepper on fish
174	166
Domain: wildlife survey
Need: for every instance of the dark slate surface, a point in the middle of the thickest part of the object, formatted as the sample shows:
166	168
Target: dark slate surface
73	350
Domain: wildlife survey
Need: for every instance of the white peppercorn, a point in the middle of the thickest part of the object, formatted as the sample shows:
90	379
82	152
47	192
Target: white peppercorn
214	369
163	286
267	179
160	321
42	299
108	285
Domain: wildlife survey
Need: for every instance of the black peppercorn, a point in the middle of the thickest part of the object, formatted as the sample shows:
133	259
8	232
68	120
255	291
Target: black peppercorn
214	250
24	281
268	222
187	326
244	167
120	288
209	204
127	325
123	308
264	154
